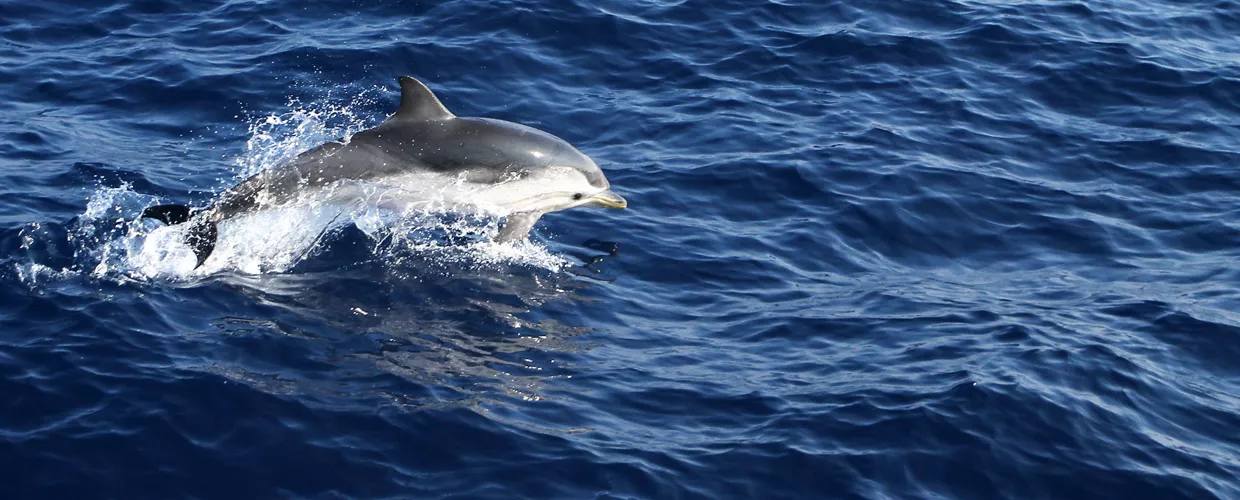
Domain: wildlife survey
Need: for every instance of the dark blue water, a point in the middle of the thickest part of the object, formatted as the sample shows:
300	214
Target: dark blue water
889	249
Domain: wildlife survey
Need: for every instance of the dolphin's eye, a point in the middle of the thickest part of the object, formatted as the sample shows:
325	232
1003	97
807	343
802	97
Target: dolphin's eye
577	196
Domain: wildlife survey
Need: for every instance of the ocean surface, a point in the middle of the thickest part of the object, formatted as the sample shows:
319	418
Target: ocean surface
889	249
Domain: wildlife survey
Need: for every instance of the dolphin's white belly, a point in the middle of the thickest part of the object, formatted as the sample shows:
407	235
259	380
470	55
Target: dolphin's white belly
436	192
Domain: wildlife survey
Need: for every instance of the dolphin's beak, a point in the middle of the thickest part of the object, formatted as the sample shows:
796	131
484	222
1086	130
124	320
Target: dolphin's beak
608	199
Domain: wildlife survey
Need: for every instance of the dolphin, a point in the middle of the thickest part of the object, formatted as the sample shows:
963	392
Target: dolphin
422	155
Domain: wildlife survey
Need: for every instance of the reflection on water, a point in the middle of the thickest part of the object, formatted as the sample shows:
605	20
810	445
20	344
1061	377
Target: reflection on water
414	335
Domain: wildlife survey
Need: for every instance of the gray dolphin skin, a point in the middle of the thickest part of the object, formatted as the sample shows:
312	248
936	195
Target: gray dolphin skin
420	156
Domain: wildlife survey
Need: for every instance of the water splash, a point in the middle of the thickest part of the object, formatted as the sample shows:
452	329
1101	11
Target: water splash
278	138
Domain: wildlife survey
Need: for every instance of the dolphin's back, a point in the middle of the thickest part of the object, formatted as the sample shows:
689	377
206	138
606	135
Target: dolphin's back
475	149
364	156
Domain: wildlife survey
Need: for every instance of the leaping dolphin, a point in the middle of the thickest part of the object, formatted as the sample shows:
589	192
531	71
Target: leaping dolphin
425	154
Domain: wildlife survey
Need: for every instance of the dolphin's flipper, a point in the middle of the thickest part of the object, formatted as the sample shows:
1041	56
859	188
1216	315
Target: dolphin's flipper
517	226
201	234
201	238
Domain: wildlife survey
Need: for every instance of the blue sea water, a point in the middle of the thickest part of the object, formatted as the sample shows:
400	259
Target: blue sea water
888	249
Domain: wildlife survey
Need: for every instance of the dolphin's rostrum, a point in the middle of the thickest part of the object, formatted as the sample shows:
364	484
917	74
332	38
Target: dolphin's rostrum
423	153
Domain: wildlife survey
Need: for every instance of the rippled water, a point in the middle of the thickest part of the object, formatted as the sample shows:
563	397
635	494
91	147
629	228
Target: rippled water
894	249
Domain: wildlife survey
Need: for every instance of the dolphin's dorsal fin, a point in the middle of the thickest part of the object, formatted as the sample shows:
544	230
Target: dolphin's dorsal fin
418	103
